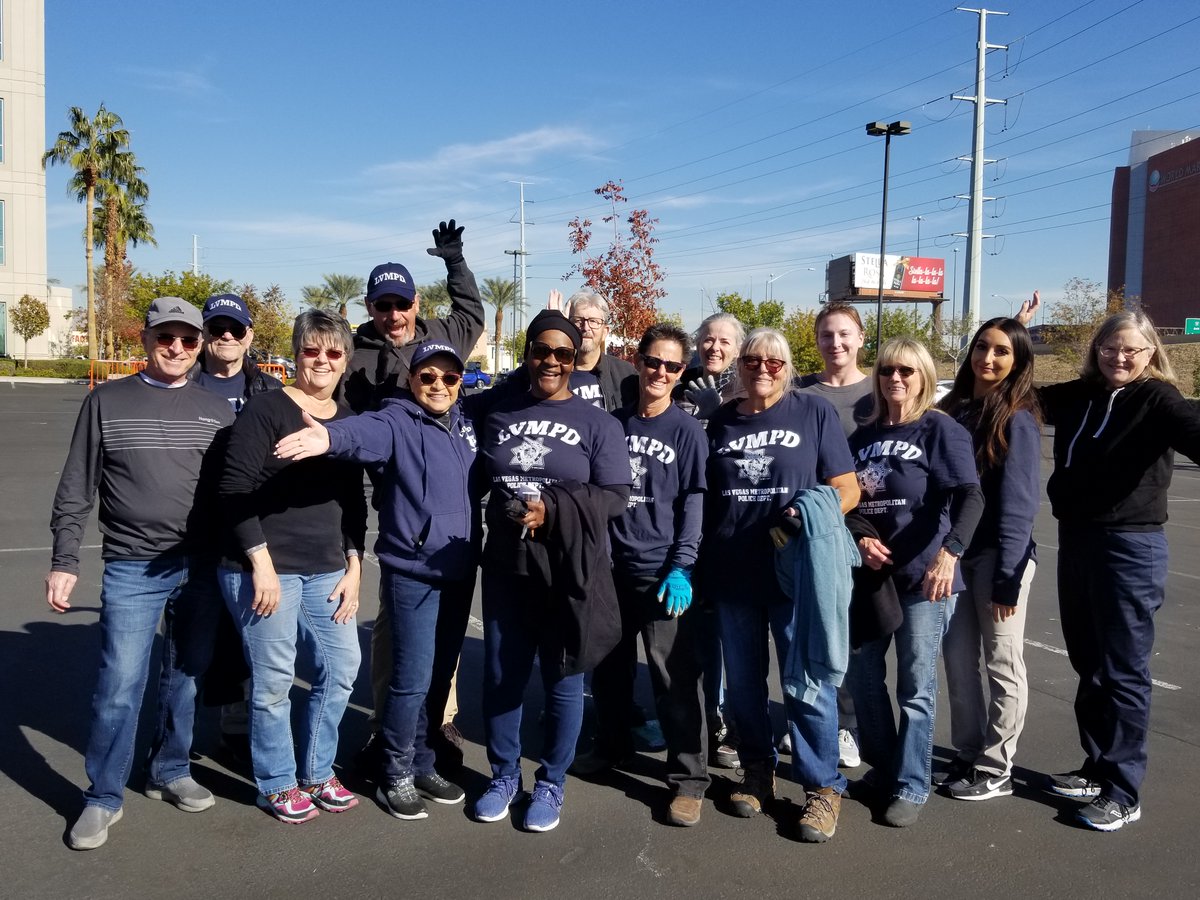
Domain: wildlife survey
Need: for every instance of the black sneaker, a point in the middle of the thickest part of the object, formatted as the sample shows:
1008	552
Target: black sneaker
436	788
957	770
1107	815
1074	784
981	786
400	798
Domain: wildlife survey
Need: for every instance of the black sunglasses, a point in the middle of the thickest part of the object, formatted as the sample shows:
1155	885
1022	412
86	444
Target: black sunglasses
385	306
236	329
889	371
653	363
449	379
563	355
163	339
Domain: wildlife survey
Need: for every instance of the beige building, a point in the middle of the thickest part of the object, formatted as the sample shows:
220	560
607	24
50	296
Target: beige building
22	181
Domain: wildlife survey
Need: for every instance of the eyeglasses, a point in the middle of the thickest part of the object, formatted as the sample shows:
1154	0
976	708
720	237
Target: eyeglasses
236	329
593	324
315	352
385	306
449	379
163	339
653	363
889	371
1130	353
563	355
754	363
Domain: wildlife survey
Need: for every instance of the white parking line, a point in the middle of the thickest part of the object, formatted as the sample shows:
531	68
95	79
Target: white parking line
43	549
1061	652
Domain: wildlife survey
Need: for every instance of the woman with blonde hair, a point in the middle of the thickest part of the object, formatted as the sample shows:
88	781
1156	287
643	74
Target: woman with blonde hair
921	496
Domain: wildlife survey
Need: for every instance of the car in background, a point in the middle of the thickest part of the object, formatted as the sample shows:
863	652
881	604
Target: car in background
942	389
474	378
289	365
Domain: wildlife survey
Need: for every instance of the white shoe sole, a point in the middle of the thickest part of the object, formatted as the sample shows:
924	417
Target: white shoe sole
387	807
99	840
1112	826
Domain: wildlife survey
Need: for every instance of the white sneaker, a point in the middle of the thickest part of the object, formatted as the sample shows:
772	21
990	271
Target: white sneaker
848	757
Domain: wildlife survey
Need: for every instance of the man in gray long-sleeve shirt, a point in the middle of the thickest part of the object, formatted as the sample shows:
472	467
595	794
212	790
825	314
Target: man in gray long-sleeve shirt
140	443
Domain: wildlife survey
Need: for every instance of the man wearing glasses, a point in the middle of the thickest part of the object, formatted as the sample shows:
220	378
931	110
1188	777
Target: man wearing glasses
384	345
226	367
588	311
140	443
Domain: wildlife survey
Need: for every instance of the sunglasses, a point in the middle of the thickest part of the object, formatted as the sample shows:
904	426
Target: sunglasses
315	352
449	379
385	306
236	330
889	371
166	340
563	355
653	363
754	363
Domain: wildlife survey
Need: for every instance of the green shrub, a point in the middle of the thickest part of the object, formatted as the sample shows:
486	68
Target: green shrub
7	366
53	368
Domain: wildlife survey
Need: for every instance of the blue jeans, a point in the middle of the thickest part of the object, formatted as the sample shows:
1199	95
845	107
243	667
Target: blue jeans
518	624
304	617
413	607
134	595
813	728
901	758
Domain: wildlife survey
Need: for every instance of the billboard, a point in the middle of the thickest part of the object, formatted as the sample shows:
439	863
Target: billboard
920	274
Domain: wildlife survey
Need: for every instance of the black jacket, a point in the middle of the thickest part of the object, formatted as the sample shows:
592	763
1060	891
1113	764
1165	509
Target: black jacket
1114	451
875	610
379	368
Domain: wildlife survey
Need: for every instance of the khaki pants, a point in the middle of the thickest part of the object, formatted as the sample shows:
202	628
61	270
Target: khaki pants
984	731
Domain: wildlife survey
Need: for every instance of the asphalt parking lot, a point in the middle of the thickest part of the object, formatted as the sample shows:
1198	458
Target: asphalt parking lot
612	842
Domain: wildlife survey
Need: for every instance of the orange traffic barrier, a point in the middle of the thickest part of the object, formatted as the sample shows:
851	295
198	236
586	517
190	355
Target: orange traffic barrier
102	370
274	369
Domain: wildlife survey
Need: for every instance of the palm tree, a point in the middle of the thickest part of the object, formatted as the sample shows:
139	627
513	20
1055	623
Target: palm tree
344	288
120	221
316	296
87	147
502	294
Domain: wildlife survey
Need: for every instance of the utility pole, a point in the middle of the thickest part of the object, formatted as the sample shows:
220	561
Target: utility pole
195	254
974	262
521	254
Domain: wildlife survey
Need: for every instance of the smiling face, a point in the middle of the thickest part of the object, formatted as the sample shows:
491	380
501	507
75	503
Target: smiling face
901	386
439	396
593	328
991	360
394	317
167	359
838	341
657	383
220	342
1123	357
760	382
550	360
718	347
316	369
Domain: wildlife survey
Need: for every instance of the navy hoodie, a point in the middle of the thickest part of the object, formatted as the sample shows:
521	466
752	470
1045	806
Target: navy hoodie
428	526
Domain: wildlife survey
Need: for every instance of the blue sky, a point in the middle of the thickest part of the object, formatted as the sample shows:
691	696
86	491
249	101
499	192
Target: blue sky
302	138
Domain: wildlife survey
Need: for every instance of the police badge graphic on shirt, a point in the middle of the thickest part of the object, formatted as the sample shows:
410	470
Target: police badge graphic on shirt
637	469
530	454
873	477
755	467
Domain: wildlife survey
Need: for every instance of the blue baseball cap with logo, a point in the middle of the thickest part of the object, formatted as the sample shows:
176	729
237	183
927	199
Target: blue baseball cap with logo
228	306
390	279
428	349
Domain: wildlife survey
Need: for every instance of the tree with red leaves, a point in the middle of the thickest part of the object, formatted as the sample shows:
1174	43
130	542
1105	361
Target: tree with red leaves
626	272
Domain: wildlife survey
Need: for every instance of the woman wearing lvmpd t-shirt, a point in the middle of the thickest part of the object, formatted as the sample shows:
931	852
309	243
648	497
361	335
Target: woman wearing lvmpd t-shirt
558	472
763	451
920	491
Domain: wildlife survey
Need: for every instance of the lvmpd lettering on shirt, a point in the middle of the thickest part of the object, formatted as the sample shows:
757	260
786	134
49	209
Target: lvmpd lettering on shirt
903	449
542	428
639	443
762	439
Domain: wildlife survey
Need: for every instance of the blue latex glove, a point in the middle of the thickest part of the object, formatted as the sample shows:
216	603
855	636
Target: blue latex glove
676	592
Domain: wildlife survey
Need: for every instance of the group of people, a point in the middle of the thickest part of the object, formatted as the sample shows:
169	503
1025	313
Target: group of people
702	510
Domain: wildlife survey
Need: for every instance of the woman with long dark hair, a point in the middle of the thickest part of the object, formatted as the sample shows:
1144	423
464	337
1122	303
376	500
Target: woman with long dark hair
993	398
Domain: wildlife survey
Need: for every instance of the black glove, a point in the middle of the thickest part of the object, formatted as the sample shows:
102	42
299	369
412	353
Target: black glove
786	527
447	243
515	508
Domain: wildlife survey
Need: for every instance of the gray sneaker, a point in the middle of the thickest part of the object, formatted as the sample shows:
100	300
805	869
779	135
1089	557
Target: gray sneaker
1074	784
184	793
91	828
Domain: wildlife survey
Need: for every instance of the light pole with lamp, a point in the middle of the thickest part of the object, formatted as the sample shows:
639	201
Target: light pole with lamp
875	129
771	279
1006	300
918	220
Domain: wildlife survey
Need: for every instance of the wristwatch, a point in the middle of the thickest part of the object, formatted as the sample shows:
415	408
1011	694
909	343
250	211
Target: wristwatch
954	548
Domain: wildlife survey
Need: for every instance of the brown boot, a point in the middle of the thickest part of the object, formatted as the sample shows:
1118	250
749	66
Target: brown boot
756	791
685	810
818	820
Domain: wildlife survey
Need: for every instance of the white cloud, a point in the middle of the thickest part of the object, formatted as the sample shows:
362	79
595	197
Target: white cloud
185	82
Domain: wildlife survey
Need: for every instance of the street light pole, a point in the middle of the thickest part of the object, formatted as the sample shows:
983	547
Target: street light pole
918	220
875	129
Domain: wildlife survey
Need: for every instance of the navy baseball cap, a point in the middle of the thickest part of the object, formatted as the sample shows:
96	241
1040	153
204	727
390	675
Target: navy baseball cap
428	349
229	306
390	279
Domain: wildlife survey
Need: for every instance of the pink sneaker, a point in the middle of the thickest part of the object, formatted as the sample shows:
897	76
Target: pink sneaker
292	806
330	795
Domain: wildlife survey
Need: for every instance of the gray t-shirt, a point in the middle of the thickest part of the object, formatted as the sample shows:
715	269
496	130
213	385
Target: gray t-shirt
852	401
